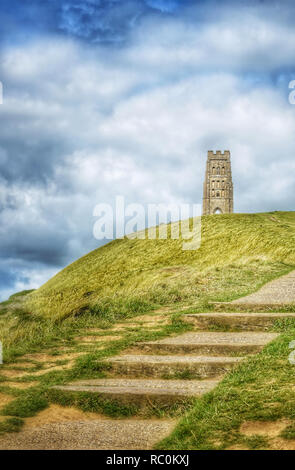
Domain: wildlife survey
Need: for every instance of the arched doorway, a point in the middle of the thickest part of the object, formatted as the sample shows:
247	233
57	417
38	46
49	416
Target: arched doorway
217	211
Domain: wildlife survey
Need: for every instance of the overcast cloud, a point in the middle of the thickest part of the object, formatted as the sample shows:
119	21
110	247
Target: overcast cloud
109	97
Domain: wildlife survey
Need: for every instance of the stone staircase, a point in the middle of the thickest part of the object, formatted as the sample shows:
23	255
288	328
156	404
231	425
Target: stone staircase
186	366
180	368
169	372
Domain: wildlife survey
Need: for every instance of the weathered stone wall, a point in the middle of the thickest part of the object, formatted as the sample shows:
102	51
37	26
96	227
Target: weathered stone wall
218	186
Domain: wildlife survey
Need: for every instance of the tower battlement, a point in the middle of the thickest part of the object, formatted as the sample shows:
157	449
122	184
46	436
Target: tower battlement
219	153
218	185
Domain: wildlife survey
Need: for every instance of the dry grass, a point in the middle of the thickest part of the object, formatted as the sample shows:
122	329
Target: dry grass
59	414
135	274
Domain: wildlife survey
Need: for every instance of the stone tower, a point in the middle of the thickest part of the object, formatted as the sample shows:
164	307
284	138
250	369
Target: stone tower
218	185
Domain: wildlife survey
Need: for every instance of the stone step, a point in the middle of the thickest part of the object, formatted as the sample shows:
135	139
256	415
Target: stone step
208	343
141	391
93	434
172	366
240	320
248	306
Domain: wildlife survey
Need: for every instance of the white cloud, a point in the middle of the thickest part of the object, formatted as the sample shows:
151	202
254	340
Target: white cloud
235	39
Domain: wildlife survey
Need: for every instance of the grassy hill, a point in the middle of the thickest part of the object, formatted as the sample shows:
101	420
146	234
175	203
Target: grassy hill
239	252
42	331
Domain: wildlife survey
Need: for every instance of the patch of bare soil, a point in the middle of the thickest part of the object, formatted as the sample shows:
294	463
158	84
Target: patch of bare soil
96	330
20	385
152	319
15	374
164	310
264	428
282	444
237	447
123	327
90	346
20	365
5	399
97	339
46	357
58	414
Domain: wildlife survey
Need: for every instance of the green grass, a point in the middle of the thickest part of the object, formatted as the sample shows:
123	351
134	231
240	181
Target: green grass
289	432
93	403
22	293
11	425
186	374
132	275
15	301
89	402
238	254
261	389
28	404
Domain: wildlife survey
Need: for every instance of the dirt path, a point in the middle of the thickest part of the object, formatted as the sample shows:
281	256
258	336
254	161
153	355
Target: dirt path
277	292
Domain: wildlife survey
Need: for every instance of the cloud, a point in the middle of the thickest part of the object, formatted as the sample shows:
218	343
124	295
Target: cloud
82	123
238	41
16	276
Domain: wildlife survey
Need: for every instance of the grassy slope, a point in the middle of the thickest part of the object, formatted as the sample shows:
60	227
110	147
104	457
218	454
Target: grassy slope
128	275
238	254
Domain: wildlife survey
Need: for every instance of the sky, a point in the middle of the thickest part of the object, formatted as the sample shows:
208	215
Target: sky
125	97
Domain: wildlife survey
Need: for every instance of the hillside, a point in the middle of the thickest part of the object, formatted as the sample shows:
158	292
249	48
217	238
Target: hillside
92	311
241	251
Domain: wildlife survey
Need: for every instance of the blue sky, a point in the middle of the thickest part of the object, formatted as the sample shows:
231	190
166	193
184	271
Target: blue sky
125	97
